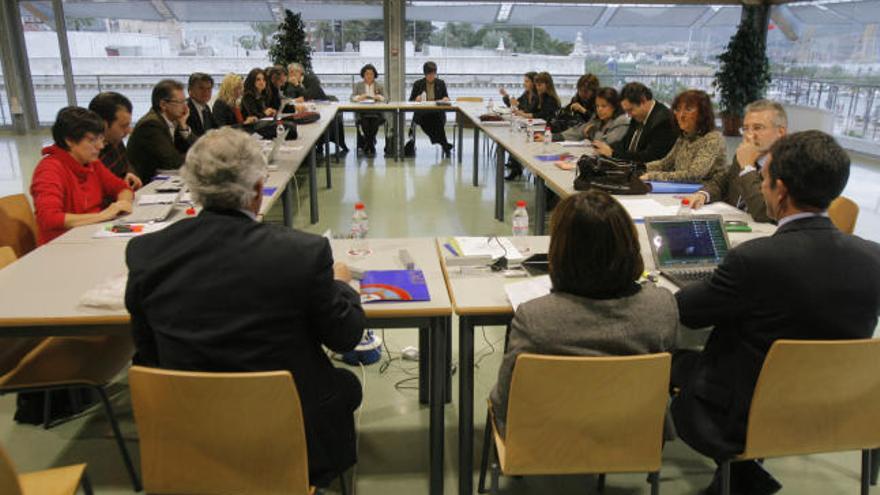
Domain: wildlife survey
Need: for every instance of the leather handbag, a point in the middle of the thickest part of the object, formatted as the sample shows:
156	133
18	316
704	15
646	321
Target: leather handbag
301	118
490	117
610	175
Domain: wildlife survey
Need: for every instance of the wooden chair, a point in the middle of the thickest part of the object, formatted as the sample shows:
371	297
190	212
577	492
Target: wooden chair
59	363
7	256
812	397
843	213
568	415
18	228
57	481
218	433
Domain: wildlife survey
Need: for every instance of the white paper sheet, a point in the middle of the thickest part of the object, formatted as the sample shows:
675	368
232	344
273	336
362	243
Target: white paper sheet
638	209
533	288
157	199
104	231
495	247
720	208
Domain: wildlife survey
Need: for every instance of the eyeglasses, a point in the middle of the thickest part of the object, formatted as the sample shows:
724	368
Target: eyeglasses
755	128
94	140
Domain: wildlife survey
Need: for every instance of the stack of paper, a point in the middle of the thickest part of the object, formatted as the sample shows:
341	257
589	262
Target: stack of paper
533	288
640	208
495	247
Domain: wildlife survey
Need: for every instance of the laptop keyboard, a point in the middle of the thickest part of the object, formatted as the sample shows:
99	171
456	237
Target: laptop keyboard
148	213
682	278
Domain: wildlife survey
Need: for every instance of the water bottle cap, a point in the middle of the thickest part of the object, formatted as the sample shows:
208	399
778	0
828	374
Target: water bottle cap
358	206
685	201
520	204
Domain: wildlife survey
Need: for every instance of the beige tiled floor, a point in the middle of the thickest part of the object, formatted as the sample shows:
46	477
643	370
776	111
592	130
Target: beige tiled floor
422	197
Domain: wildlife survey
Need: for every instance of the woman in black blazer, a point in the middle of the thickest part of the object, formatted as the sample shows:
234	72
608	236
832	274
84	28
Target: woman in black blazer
431	88
227	111
255	99
527	100
548	101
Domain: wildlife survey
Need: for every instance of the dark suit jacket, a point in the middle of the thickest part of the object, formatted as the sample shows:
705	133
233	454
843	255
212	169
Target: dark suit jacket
420	85
221	292
807	281
545	108
252	104
657	137
224	115
730	187
195	123
151	147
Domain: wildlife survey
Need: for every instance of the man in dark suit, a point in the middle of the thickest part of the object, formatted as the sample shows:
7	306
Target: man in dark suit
201	120
765	122
431	88
223	292
162	137
652	130
807	281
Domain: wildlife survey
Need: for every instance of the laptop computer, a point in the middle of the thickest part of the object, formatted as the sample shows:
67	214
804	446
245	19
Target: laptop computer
687	249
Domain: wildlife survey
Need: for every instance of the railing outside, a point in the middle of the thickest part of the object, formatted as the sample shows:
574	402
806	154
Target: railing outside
855	105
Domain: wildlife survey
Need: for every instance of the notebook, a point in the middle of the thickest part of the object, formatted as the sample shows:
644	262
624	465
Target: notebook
394	285
686	249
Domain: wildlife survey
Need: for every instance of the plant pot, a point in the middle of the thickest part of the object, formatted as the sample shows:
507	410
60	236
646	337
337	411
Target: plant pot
731	124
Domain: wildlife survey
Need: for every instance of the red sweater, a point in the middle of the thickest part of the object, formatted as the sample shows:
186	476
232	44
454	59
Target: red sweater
63	185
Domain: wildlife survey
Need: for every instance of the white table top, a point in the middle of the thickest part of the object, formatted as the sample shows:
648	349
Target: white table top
384	256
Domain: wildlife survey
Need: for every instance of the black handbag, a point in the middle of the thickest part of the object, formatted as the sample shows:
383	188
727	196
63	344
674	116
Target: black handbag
610	175
564	119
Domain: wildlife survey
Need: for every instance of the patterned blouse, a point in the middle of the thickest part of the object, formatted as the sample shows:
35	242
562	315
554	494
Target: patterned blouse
692	159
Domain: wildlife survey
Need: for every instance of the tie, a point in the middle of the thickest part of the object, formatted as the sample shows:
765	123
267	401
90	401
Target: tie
634	142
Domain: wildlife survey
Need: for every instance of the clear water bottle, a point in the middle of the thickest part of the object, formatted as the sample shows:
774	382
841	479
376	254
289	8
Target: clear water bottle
684	208
360	226
520	220
490	106
530	136
548	136
279	131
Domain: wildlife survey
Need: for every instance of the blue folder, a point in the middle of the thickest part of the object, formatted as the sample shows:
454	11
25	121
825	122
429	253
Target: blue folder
673	187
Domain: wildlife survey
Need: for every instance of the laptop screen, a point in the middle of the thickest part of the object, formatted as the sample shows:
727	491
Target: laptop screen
682	241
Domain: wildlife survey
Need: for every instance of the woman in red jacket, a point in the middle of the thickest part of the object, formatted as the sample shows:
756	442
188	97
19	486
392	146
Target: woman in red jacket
71	187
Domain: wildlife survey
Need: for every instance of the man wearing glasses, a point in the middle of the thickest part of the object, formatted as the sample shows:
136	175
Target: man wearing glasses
764	123
162	137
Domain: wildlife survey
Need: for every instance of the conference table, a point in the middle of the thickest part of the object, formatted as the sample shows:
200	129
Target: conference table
479	299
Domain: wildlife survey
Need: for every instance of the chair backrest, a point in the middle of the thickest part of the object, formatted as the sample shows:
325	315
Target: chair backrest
474	99
9	484
7	256
213	433
816	396
18	229
570	415
843	213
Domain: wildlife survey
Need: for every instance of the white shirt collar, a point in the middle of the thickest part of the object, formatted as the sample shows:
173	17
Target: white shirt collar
800	216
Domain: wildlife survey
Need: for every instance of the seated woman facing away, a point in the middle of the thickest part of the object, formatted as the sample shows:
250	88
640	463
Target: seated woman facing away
596	307
700	151
608	125
71	187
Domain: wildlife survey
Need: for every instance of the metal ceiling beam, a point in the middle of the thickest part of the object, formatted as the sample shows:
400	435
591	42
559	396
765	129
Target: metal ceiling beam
163	10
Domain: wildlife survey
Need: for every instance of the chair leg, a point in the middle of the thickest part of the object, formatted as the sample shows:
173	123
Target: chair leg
496	471
600	483
725	478
654	480
47	409
866	472
120	442
875	465
86	484
342	485
484	462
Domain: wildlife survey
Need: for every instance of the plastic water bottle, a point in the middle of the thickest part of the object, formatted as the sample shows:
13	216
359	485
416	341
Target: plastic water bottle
490	106
279	131
548	136
530	136
360	226
684	208
520	220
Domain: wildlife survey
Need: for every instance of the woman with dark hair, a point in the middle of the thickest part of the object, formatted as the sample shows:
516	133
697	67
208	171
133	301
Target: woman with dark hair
583	103
597	306
528	99
277	78
609	124
547	101
255	100
368	90
71	187
700	151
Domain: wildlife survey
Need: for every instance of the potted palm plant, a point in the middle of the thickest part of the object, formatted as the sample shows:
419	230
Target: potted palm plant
743	74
